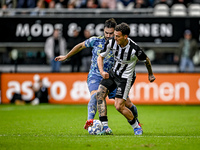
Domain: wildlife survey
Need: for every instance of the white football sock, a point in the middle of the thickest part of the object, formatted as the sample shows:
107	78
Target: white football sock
135	125
105	123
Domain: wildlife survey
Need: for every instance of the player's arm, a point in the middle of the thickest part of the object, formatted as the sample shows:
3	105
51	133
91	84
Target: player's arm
149	69
143	57
100	58
104	74
74	50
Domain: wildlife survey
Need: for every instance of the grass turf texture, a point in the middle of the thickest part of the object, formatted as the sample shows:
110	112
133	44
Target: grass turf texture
61	127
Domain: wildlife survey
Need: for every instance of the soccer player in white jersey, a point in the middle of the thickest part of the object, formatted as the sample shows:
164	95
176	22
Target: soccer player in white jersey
122	75
94	76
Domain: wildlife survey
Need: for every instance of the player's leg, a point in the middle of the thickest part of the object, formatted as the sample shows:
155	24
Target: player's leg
104	87
120	106
102	109
93	83
128	103
123	89
92	106
132	107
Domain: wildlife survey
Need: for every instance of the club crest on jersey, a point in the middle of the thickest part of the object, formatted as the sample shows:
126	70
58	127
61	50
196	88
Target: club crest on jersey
119	91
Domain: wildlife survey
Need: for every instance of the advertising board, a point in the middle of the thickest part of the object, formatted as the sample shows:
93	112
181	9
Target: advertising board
71	88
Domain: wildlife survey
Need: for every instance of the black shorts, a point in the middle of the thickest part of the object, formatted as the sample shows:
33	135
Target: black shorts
123	85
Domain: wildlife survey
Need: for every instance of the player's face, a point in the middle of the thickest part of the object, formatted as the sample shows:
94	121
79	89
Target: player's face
120	38
108	32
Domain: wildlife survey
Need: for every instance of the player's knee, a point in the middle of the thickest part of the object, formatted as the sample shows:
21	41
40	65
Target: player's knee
128	103
93	99
100	95
99	102
118	107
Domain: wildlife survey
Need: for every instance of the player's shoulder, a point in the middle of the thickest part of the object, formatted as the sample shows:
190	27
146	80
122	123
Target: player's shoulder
97	38
133	44
110	41
94	40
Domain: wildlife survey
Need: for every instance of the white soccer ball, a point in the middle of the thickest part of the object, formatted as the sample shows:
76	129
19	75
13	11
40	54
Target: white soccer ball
96	127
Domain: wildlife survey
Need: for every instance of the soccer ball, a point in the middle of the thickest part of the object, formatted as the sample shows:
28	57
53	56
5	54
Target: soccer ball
96	127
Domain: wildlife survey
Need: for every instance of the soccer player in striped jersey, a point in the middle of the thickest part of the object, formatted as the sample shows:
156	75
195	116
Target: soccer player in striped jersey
122	75
94	76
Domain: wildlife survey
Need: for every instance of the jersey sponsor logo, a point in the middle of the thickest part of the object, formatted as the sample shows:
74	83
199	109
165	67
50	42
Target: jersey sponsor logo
139	52
119	91
93	81
121	61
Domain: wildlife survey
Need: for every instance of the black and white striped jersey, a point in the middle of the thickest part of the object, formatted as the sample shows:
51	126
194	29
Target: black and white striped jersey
125	58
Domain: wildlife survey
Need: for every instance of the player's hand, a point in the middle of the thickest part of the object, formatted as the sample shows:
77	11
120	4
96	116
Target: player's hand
105	75
60	58
151	78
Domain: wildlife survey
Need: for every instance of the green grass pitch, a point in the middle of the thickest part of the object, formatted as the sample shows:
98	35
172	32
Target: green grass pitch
58	127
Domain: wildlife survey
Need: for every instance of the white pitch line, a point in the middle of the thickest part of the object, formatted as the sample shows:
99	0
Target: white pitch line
12	108
83	136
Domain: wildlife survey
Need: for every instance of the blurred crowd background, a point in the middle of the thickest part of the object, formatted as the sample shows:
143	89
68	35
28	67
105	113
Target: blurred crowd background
76	4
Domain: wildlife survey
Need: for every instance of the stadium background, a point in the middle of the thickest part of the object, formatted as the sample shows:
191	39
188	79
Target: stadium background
157	35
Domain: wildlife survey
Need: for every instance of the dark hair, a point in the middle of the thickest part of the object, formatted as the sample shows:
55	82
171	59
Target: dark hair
124	28
110	23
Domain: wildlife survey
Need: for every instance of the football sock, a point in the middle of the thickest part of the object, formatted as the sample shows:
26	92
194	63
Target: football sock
104	121
105	125
134	123
133	109
92	106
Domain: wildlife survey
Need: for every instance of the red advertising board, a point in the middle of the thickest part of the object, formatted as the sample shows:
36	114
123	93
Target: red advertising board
71	88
